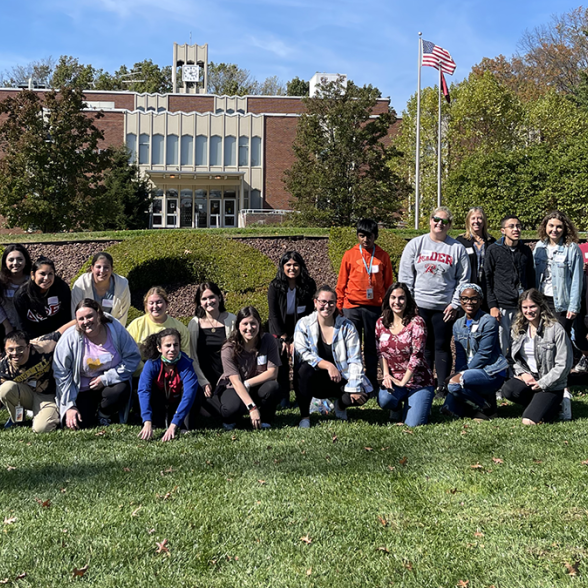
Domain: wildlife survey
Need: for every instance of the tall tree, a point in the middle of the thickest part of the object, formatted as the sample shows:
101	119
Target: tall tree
70	72
230	80
39	71
340	173
297	87
52	169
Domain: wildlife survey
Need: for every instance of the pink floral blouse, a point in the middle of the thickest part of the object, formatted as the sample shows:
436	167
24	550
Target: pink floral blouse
405	351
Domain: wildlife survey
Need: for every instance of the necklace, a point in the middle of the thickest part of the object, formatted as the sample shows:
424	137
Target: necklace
212	327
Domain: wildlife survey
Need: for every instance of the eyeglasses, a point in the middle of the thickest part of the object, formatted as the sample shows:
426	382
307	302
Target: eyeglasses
438	219
514	227
326	302
466	299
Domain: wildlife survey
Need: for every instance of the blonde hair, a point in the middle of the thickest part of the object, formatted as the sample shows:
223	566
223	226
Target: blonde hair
159	291
468	225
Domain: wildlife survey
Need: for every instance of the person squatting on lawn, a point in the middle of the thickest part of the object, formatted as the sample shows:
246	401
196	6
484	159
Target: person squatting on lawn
364	276
433	266
250	359
542	355
168	386
27	381
329	353
407	388
14	272
289	298
480	367
108	289
93	365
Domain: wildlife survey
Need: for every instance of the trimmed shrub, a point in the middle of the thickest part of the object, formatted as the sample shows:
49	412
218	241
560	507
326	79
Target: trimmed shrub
238	269
343	238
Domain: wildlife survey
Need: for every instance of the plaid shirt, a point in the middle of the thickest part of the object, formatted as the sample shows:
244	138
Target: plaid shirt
346	350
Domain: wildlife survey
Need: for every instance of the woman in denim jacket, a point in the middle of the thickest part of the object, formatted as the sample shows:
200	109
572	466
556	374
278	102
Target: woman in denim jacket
479	364
559	268
542	353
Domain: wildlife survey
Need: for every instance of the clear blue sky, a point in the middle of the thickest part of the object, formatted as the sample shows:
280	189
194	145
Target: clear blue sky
374	41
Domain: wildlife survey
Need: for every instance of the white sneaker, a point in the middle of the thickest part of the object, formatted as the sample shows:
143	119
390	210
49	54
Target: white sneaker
340	413
582	366
565	414
229	426
304	423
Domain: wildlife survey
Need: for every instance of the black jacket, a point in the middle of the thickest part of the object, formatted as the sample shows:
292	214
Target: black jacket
507	274
469	244
278	301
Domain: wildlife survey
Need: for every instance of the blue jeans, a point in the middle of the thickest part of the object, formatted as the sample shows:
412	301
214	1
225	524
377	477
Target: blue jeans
477	393
417	403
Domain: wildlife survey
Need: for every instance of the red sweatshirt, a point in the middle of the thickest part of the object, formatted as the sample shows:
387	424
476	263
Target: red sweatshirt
353	279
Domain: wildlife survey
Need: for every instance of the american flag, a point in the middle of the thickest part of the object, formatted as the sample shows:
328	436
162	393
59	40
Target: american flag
437	57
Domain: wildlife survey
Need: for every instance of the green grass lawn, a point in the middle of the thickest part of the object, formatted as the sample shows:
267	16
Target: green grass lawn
363	503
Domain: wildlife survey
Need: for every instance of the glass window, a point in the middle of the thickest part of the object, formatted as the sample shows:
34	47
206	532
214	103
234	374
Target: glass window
200	209
187	157
157	150
132	146
256	201
230	193
201	150
246	199
230	146
141	108
157	208
144	148
216	148
255	151
243	151
171	157
160	109
185	208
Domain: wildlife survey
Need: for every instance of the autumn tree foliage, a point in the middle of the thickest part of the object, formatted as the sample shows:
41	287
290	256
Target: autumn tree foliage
340	173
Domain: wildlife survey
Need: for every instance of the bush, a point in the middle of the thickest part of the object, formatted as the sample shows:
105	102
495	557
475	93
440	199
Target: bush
343	238
238	269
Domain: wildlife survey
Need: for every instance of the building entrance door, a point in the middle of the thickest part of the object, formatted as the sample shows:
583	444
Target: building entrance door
215	214
185	209
230	210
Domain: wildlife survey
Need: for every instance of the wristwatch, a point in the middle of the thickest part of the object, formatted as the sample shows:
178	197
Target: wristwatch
251	406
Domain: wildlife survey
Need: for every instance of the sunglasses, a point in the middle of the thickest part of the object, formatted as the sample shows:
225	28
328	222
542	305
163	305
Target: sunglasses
438	219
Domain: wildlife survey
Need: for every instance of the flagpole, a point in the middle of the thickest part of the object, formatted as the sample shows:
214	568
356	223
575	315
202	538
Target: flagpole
439	143
418	138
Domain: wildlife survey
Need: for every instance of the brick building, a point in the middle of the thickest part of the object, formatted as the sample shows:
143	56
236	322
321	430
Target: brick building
208	157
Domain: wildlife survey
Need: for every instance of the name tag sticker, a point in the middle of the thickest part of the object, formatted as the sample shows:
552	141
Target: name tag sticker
32	383
261	359
375	269
53	300
586	255
475	328
559	257
300	309
470	250
107	303
385	337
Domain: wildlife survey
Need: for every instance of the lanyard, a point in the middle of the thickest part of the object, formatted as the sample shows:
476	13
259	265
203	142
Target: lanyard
368	270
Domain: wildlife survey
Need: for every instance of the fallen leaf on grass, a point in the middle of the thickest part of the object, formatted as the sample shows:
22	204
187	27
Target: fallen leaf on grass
151	531
10	467
43	503
497	460
572	568
306	539
63	490
453	490
384	549
585	462
262	482
391	468
408	566
100	433
134	513
233	437
309	571
538	461
162	547
334	438
478	534
80	571
403	461
21	576
167	471
477	466
463	583
464	433
368	448
383	521
126	469
10	521
409	431
5	581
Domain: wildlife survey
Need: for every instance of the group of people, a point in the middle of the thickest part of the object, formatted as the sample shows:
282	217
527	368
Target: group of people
71	359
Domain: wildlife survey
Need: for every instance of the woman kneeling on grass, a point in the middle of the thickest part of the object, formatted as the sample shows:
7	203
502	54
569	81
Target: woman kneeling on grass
250	359
401	335
480	367
93	364
328	347
543	358
168	385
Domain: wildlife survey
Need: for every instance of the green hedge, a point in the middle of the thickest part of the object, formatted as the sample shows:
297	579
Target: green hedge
238	269
343	238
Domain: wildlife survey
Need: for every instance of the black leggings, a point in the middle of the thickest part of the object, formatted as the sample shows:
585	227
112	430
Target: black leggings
438	348
540	405
229	406
314	382
109	400
565	322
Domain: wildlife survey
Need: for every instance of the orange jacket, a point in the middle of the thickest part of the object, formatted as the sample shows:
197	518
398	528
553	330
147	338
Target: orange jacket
353	279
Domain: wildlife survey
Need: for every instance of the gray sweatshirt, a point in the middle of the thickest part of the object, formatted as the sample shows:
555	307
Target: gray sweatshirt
433	270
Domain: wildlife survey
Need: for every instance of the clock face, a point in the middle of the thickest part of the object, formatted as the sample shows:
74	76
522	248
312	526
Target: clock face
190	73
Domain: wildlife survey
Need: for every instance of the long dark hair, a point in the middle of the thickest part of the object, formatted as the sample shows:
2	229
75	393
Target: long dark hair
409	312
33	291
235	339
5	274
304	283
198	310
101	255
149	347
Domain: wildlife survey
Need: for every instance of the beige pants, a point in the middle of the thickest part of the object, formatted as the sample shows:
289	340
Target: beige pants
45	413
